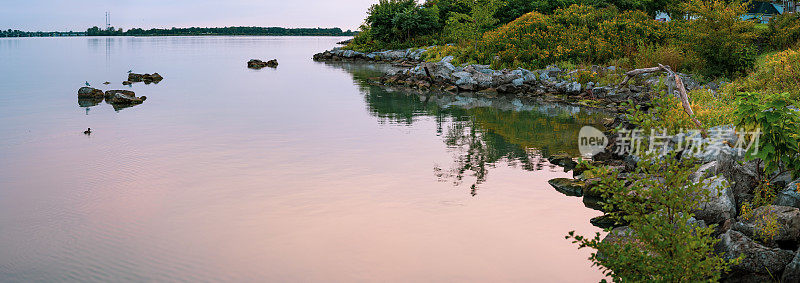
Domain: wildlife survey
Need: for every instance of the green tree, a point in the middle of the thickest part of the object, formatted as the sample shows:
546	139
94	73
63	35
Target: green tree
662	243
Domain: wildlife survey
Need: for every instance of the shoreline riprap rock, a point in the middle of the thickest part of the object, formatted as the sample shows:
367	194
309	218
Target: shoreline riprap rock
258	64
338	54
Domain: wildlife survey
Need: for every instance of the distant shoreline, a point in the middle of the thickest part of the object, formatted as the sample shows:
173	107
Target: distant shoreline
192	31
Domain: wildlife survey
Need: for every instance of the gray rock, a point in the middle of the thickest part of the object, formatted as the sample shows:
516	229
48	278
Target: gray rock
758	259
788	222
719	205
447	59
89	92
789	196
742	176
792	272
723	134
568	186
544	76
553	71
707	170
573	88
483	80
419	71
124	97
518	82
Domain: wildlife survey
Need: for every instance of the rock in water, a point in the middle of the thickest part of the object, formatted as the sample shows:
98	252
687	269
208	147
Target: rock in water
568	186
563	160
89	92
146	78
123	97
258	64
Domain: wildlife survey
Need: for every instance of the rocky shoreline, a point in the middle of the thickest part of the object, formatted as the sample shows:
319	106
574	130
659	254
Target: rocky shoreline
723	172
550	84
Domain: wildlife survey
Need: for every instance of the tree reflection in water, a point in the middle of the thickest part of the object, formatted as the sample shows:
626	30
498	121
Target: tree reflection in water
480	132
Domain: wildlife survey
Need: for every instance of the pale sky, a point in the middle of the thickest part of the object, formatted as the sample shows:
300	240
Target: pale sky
78	15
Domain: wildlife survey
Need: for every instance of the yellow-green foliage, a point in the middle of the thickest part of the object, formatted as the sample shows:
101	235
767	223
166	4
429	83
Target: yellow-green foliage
577	34
711	109
784	30
718	37
774	73
669	55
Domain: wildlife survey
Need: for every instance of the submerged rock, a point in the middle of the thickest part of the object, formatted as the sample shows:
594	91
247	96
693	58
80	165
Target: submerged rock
89	92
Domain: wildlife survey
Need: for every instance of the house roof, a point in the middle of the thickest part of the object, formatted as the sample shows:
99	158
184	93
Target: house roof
763	8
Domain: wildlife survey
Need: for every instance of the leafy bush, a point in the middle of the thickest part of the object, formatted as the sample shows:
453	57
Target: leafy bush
775	73
663	244
577	34
777	118
718	36
468	27
784	30
667	113
652	55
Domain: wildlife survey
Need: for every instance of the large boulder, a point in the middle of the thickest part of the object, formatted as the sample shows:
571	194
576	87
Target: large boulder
719	205
758	259
788	220
790	196
89	92
792	272
742	175
441	71
123	97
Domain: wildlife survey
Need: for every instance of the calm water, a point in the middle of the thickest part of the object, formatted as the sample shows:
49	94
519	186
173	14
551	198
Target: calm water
300	173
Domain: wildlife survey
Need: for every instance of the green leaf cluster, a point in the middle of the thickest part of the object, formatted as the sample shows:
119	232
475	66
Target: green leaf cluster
663	243
776	117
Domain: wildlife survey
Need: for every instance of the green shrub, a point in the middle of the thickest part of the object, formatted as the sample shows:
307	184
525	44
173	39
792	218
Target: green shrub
468	27
779	124
718	36
663	245
784	30
652	55
576	34
774	73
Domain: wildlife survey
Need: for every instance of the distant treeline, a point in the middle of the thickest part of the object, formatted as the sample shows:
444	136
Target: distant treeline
277	31
274	31
19	33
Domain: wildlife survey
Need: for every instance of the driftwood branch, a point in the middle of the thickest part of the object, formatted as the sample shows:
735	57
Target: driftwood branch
682	94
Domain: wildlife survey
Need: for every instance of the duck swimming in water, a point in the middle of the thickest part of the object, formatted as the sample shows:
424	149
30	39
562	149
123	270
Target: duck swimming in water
88	131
